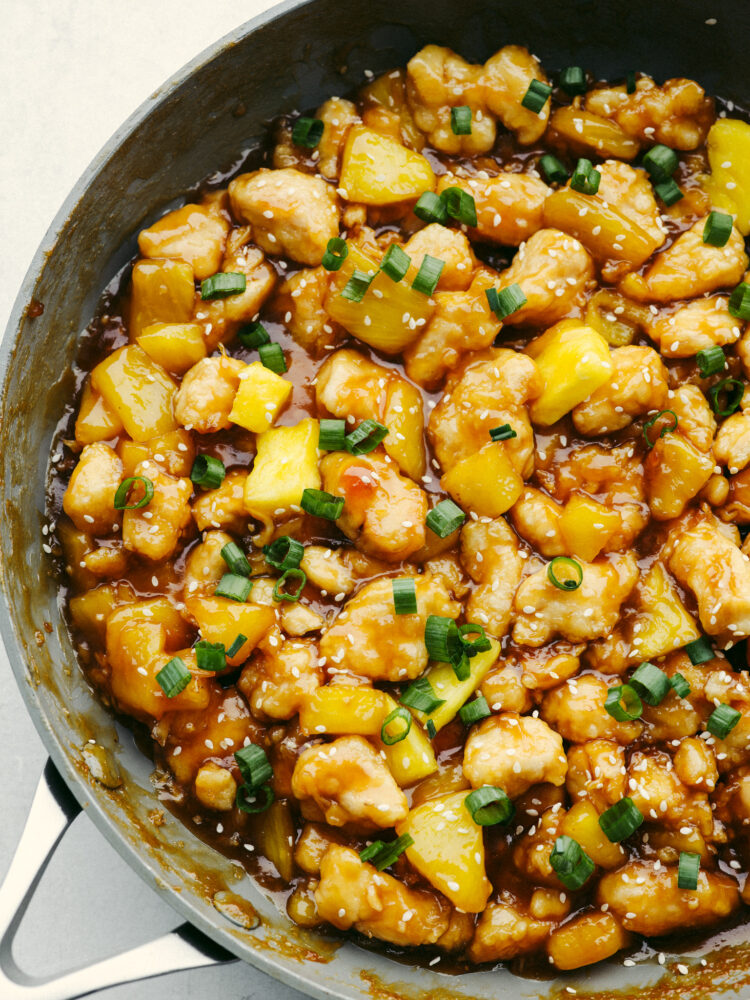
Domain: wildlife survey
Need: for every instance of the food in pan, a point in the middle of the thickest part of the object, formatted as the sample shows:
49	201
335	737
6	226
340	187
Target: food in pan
402	505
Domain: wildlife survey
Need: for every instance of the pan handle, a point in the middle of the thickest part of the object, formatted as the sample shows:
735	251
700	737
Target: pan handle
52	811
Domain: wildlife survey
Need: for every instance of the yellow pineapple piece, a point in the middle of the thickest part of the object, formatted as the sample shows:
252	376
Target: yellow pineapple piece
174	346
96	420
729	182
573	359
453	692
587	525
174	451
90	611
138	390
260	398
675	472
662	623
222	620
344	710
285	465
378	170
581	822
486	482
163	291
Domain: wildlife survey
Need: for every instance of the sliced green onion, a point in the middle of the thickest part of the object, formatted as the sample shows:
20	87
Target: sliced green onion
218	286
404	596
461	120
680	685
567	564
253	335
554	171
571	863
234	587
489	805
332	435
536	96
502	433
661	162
421	697
722	721
688	868
395	262
235	559
623	703
253	765
356	286
431	208
621	820
739	301
365	438
210	656
442	639
630	81
284	553
287	577
403	716
382	855
474	711
336	253
173	677
428	275
651	683
272	357
711	361
585	178
718	228
207	472
431	730
253	800
669	191
506	301
572	80
734	390
121	496
236	646
700	650
460	205
445	518
307	132
321	504
665	430
473	646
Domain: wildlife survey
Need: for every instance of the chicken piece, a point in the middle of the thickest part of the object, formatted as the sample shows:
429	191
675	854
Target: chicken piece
448	245
695	764
507	76
532	850
589	612
223	507
280	676
547	667
215	787
299	300
337	115
327	569
509	206
291	214
655	788
576	711
647	899
638	385
536	518
554	270
732	444
514	752
683	331
596	773
349	782
490	390
505	692
462	322
193	233
154	531
108	562
352	893
369	639
89	499
204	566
695	417
353	388
384	512
505	931
436	80
687	269
448	569
677	113
733	799
489	552
207	393
220	318
630	190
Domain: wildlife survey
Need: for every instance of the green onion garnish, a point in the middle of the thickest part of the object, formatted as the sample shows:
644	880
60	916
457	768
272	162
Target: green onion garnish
173	677
272	357
460	205
502	433
623	703
680	685
651	683
669	191
332	435
234	587
307	132
321	504
253	765
700	651
210	656
442	639
506	301
661	162
711	361
404	596
236	646
421	697
573	80
235	559
630	81
365	438
667	429
473	646
121	496
431	730
218	286
461	120
571	863
734	390
356	286
290	576
399	715
431	208
445	518
536	96
553	170
565	563
428	275
255	800
284	553
336	253
395	262
253	335
739	301
718	228
382	855
688	868
620	820
722	721
474	711
207	472
489	805
585	178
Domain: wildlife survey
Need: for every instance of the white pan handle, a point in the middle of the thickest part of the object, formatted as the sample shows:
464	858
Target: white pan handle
52	811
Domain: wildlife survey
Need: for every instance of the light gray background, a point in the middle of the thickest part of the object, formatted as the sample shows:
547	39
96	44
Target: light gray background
70	72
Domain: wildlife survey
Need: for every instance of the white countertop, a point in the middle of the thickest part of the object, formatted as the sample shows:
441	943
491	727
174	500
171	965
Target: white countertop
71	71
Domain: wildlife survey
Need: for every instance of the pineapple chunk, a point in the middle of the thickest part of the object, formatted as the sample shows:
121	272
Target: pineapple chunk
285	465
729	183
573	359
162	291
193	233
158	611
412	758
448	850
76	545
138	390
453	692
587	525
260	398
174	346
581	822
486	482
675	472
90	611
378	170
173	451
344	710
390	316
222	620
96	420
662	623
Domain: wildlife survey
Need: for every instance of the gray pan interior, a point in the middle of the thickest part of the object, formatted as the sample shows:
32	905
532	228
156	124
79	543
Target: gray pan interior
292	57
